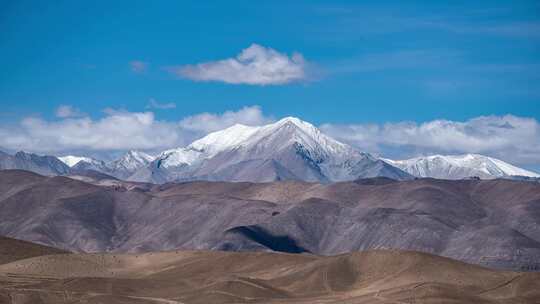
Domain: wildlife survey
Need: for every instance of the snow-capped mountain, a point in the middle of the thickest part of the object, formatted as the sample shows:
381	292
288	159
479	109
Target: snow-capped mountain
78	163
459	166
128	164
92	164
132	160
287	149
72	160
121	168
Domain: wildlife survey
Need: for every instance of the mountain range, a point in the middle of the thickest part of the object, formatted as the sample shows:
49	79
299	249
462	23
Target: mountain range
121	168
289	149
488	222
45	165
459	166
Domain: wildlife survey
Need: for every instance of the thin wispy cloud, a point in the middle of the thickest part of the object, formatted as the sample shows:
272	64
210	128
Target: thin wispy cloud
355	21
397	60
138	66
68	111
444	87
154	104
505	29
255	65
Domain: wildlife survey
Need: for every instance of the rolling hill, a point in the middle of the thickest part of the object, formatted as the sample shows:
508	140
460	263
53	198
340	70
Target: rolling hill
488	222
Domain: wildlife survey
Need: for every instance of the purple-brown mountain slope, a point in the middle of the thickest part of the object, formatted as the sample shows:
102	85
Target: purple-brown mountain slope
488	222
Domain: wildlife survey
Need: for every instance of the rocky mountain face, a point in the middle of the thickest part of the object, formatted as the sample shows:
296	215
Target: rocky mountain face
488	222
70	165
460	166
92	164
45	165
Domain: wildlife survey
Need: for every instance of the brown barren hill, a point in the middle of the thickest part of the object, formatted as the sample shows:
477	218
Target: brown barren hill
377	276
494	223
13	250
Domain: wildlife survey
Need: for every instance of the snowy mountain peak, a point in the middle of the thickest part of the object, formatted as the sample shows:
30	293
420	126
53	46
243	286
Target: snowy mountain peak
459	166
131	160
294	121
138	156
286	149
291	130
72	160
216	142
274	136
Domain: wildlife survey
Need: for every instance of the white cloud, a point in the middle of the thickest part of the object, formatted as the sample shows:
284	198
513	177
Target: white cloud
209	122
118	131
256	65
154	104
138	66
66	111
511	138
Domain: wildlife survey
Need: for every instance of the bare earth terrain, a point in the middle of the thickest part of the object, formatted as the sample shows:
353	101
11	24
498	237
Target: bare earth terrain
368	241
494	223
377	276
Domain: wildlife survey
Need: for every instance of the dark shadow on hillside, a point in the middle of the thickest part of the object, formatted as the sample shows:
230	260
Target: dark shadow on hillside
259	235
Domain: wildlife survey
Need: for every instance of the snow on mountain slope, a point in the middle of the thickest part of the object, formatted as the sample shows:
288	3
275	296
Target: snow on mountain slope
287	149
290	143
512	170
131	160
459	166
122	167
300	132
72	160
225	139
207	146
246	137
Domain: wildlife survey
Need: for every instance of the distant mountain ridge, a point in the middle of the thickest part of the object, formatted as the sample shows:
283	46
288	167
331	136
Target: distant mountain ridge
459	166
121	168
45	165
289	149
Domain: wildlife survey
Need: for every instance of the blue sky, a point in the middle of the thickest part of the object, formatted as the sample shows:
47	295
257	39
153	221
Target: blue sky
364	62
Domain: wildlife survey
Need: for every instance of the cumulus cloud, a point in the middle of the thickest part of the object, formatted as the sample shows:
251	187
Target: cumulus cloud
210	122
255	65
65	111
511	138
138	66
154	104
117	131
